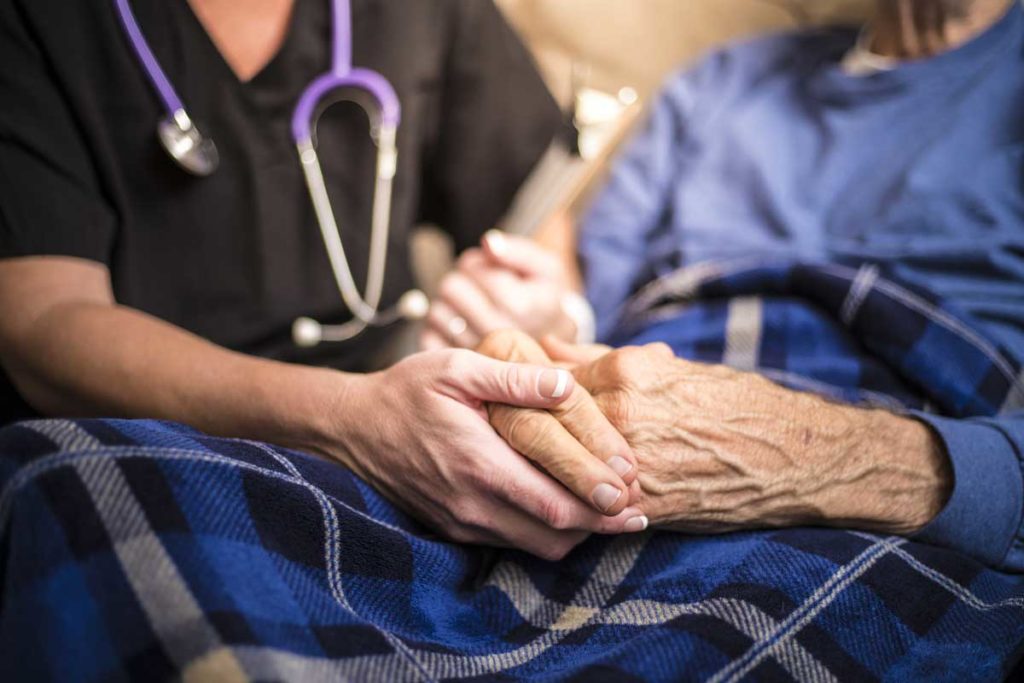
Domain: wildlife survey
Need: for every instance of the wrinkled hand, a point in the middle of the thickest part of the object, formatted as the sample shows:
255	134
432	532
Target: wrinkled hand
572	441
419	434
720	449
510	282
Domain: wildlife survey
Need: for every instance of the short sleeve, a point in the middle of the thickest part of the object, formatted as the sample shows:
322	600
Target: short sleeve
497	119
50	202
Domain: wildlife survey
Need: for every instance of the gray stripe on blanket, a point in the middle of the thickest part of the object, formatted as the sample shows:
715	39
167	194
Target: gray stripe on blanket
743	333
175	616
1015	399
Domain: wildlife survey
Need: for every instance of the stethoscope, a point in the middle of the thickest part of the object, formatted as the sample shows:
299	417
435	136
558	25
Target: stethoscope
197	154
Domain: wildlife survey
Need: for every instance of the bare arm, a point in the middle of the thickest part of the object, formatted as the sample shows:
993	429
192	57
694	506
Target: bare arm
418	432
720	449
71	350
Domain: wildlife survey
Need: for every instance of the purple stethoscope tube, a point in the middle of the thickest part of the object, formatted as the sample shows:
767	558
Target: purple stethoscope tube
197	154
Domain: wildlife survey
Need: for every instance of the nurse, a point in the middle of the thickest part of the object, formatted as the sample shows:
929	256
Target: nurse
132	288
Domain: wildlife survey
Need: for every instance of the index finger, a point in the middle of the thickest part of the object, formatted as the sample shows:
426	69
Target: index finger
538	436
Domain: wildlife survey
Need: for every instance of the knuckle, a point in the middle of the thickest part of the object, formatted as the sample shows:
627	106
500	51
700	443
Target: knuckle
660	350
556	551
452	286
512	379
457	363
556	514
465	513
521	428
500	343
622	363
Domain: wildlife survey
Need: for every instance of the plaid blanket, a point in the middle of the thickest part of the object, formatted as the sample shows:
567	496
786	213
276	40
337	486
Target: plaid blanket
147	551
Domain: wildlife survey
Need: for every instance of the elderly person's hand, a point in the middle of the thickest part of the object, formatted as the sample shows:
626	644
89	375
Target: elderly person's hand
571	441
421	437
510	282
720	450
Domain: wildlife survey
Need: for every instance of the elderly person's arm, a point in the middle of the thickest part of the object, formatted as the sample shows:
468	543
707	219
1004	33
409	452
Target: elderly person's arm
720	450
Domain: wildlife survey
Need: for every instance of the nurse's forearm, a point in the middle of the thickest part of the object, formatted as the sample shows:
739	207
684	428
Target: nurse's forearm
93	359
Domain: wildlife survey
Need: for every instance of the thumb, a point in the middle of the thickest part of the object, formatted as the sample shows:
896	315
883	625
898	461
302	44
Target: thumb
518	254
485	379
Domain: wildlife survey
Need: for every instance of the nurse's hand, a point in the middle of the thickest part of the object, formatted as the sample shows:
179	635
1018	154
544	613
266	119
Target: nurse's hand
510	282
419	433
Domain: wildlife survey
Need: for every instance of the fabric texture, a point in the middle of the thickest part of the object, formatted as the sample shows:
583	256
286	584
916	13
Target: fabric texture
770	150
146	551
860	336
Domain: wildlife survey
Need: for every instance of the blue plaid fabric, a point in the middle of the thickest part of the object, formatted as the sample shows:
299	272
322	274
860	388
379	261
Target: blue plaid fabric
148	551
851	333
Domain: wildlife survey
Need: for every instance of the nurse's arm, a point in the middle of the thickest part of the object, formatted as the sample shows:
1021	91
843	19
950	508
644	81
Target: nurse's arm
417	432
71	350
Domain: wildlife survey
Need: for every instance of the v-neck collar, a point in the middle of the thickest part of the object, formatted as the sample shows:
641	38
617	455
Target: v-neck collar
267	70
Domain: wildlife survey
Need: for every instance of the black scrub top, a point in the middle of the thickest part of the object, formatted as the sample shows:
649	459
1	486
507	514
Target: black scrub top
237	256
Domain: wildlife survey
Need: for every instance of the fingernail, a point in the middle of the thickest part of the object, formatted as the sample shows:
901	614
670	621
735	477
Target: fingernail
635	524
605	496
496	241
553	383
620	465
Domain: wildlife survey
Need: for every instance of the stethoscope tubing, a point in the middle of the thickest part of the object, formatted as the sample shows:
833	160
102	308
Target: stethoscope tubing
179	133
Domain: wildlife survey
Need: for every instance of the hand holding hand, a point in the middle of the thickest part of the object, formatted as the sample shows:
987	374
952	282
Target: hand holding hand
418	433
572	441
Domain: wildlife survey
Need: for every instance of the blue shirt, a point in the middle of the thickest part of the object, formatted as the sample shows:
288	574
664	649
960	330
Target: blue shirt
770	148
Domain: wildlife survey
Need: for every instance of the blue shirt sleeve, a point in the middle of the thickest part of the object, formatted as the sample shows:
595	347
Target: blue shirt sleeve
984	516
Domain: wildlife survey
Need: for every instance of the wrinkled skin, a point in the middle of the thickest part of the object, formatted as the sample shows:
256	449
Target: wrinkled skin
721	450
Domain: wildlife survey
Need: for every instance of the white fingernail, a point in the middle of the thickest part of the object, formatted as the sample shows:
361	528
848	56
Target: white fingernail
563	382
552	383
496	241
635	524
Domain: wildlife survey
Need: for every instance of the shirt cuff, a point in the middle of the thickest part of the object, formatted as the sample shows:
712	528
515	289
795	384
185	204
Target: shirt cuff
983	514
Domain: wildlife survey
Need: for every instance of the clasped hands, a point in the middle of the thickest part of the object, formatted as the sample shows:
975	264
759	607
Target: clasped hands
499	447
719	450
492	447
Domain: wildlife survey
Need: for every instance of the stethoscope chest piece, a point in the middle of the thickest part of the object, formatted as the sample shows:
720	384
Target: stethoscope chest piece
186	144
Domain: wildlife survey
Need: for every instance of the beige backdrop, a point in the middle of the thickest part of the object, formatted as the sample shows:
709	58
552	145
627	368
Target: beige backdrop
637	42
